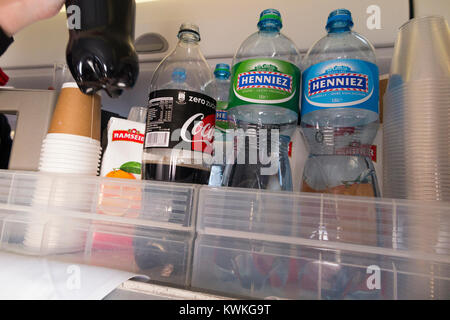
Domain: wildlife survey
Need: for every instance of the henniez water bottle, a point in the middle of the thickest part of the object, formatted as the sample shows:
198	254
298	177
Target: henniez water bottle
181	115
220	89
264	107
339	115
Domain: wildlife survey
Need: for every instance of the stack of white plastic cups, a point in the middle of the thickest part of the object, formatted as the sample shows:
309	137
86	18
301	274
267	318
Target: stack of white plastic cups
417	113
68	153
71	147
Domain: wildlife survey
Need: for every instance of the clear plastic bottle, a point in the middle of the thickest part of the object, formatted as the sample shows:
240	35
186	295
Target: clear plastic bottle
181	115
219	88
339	115
264	95
178	80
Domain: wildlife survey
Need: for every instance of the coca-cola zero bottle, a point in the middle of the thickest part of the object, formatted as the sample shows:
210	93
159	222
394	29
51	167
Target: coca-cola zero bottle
181	116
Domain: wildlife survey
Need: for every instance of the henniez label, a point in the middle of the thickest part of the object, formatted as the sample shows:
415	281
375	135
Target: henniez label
266	81
342	83
180	118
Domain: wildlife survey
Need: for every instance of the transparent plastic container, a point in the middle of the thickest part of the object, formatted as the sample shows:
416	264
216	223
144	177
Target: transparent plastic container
267	245
235	242
140	227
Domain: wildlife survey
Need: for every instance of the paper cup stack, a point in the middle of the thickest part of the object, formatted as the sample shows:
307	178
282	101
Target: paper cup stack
72	146
417	113
73	142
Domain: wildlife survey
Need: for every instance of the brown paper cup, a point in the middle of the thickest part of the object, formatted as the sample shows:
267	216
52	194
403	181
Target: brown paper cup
77	113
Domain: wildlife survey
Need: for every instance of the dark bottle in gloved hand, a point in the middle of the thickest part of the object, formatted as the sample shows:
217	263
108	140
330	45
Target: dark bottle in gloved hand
100	52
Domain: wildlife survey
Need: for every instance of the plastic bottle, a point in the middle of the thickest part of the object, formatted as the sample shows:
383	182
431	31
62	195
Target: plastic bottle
220	87
181	115
339	116
264	95
178	80
100	52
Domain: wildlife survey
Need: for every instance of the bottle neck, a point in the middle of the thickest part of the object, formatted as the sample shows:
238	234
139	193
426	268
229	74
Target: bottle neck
339	30
187	38
270	31
339	27
222	77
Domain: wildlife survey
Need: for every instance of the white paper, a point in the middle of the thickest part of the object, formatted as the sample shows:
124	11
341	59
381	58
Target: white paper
36	278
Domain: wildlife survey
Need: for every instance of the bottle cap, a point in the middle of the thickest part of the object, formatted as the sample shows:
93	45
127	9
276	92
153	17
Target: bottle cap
340	18
222	70
189	27
179	75
270	17
138	114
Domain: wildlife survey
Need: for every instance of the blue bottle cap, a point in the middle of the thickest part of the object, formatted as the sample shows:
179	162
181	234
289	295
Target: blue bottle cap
222	71
179	75
270	18
339	19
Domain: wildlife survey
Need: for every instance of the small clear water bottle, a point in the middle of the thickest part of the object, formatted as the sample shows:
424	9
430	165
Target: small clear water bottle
339	114
219	88
178	80
264	107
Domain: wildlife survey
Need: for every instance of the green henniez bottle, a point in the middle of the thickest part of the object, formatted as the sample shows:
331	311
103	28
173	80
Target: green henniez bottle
264	107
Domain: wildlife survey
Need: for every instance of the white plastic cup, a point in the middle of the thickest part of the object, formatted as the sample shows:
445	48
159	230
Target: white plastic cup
68	156
72	138
69	150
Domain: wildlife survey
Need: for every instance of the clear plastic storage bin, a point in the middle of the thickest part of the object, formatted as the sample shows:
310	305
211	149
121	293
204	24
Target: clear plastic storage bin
246	243
142	227
305	246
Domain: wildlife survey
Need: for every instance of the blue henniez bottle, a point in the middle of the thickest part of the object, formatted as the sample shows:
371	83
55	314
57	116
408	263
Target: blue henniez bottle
219	89
339	114
263	107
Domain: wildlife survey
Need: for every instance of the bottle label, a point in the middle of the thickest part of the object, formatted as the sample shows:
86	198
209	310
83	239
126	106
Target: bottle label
222	116
341	83
180	119
266	81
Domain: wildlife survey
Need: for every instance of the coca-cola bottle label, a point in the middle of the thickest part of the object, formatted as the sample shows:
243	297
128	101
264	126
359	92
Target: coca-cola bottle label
180	119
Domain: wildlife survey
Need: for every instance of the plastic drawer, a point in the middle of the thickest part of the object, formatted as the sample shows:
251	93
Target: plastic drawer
142	227
305	246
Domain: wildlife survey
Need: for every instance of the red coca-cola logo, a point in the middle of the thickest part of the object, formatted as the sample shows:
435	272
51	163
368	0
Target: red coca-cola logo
202	132
131	135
